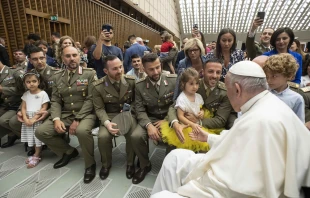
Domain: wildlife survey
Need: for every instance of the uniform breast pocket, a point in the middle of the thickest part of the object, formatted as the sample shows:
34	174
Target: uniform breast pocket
213	106
9	82
81	88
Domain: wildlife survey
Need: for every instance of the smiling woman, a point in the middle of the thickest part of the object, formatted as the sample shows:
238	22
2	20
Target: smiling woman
226	50
282	40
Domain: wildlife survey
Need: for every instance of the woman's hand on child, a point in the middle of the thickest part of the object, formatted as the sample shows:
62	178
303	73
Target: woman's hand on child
201	136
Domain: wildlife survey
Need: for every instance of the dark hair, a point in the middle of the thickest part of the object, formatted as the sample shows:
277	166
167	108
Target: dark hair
305	67
21	87
89	41
131	36
135	56
126	45
149	58
203	40
186	75
279	31
40	42
34	37
211	60
56	34
107	24
34	49
218	43
19	50
109	57
213	42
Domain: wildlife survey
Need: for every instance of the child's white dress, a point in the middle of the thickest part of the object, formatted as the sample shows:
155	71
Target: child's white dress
34	103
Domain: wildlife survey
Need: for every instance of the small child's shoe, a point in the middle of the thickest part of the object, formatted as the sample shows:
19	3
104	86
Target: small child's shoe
33	162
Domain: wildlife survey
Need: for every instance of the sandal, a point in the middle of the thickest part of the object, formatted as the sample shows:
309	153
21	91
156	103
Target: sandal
33	162
28	159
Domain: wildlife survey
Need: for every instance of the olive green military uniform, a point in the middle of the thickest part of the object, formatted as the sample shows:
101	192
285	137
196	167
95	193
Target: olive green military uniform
23	65
108	102
10	98
218	103
253	48
151	107
47	74
71	101
305	93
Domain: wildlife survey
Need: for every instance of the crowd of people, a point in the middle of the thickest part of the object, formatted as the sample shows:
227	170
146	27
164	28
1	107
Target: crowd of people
203	98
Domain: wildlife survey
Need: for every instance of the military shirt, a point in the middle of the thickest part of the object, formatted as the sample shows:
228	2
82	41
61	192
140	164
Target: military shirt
8	80
254	49
218	103
48	73
107	101
73	98
149	103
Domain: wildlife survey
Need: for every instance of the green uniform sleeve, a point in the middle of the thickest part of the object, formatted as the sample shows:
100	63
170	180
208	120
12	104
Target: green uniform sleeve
172	113
99	106
142	116
221	115
56	101
250	47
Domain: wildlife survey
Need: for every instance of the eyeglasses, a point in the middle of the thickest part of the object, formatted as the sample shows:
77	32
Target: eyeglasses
193	50
40	58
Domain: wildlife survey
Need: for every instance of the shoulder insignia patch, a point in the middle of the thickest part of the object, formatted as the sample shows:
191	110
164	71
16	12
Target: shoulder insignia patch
306	89
86	68
221	85
97	82
172	75
140	80
291	84
55	69
130	77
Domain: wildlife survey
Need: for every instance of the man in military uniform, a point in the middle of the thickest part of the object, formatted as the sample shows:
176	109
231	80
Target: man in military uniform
153	97
109	95
215	99
71	106
20	60
10	101
38	59
254	48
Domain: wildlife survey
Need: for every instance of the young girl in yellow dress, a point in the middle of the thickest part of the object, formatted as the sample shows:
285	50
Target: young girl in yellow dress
188	102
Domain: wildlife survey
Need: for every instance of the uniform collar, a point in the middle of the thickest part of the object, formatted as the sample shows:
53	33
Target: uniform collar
158	82
280	93
206	87
112	80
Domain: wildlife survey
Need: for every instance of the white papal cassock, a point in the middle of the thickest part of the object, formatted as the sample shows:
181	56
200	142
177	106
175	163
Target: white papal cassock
265	154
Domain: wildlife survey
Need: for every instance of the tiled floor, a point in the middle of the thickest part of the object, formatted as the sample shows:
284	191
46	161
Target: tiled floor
43	181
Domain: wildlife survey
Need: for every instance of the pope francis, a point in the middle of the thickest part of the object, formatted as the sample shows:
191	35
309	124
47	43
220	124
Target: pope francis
265	154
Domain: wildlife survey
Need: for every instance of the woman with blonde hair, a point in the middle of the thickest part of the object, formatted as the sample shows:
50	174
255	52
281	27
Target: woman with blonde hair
194	57
68	41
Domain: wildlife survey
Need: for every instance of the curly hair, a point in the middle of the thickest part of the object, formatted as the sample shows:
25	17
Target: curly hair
283	63
188	74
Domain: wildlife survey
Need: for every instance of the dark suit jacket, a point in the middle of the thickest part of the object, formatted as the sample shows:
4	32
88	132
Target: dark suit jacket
4	56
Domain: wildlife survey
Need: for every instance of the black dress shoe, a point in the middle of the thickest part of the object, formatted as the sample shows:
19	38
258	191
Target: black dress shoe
140	174
130	171
104	172
10	142
65	159
90	174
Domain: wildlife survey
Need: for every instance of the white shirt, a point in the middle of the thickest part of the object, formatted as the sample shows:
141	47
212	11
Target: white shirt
187	106
34	102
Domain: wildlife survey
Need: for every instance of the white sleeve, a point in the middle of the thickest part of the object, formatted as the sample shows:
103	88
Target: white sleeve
45	98
199	99
180	102
24	97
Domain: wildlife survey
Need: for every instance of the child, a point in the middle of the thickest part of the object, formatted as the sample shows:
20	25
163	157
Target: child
188	102
33	101
166	47
279	70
